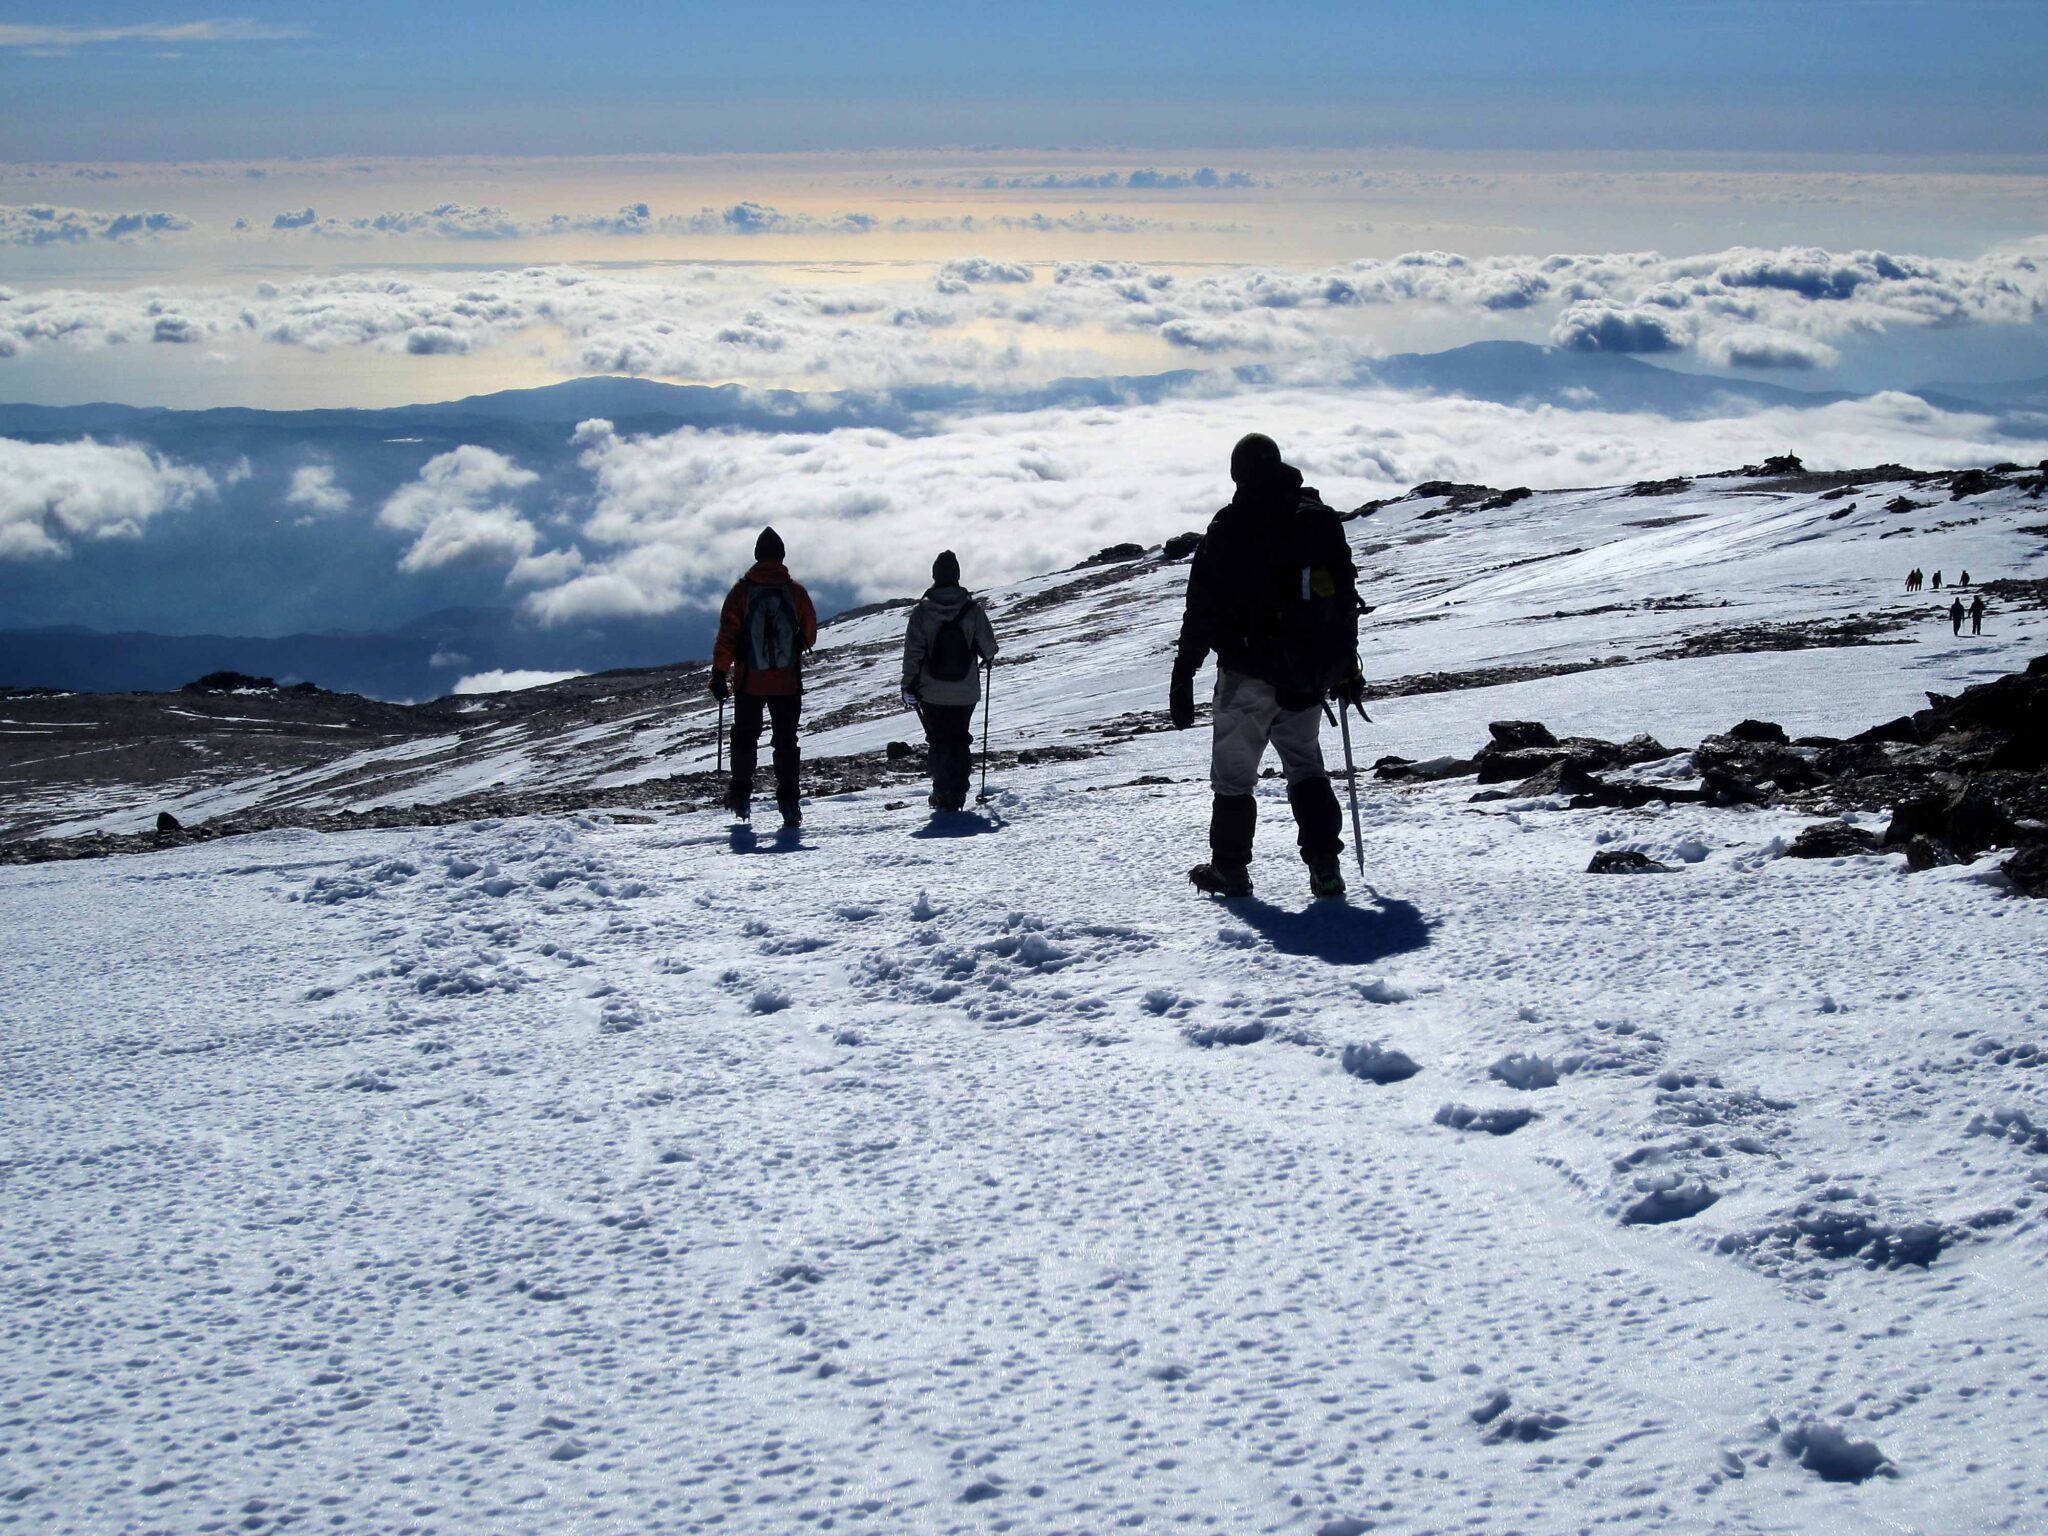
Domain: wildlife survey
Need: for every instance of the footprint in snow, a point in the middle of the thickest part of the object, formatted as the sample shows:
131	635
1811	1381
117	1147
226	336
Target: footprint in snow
1666	1197
1492	1122
1527	1072
1377	1063
1246	1032
1827	1451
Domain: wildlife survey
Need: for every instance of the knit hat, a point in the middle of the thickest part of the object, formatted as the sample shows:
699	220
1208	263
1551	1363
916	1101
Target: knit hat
946	569
1254	460
768	546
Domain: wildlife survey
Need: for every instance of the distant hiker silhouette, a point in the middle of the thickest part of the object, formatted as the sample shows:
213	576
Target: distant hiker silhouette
1977	614
764	630
946	644
1955	616
1963	580
1273	592
1915	579
1937	581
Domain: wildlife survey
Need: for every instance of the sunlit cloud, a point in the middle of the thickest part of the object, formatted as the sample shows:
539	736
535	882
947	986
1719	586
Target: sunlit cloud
56	496
670	516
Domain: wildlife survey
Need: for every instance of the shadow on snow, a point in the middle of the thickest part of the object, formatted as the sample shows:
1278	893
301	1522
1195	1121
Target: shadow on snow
744	839
959	824
1337	933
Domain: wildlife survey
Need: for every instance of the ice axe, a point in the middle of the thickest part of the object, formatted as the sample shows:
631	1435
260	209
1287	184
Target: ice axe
1343	713
1351	783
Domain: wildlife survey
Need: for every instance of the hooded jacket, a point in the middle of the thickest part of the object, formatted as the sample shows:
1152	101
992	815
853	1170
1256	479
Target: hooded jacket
729	654
1255	557
942	605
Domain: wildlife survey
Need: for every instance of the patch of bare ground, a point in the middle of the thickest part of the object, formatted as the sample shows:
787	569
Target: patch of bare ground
1802	635
1098	579
823	777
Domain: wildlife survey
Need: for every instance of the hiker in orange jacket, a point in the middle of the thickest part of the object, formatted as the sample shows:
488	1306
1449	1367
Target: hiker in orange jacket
764	631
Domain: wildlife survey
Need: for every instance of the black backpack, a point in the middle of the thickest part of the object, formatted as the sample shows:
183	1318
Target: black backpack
951	656
770	629
1314	635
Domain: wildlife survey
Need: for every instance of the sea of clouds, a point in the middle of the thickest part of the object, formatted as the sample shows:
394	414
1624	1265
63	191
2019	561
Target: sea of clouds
1785	309
607	523
659	523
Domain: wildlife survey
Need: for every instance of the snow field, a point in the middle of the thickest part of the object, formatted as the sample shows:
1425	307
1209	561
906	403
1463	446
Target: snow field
641	1175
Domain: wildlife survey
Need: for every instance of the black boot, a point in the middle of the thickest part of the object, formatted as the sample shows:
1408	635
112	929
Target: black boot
1319	830
1232	821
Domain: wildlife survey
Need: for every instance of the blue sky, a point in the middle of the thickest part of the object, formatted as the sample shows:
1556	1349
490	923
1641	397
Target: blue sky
135	79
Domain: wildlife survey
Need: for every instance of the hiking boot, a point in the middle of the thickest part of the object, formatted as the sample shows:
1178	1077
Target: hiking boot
739	805
1218	880
1326	879
792	816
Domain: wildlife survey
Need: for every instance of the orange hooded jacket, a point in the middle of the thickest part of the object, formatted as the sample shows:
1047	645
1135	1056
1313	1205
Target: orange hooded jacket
726	654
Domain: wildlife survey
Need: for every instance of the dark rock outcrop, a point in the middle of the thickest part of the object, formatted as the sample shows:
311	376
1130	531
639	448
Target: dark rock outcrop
1116	554
1776	465
1402	770
1625	861
1973	482
2028	870
1511	734
1759	731
1832	840
166	822
227	682
1181	545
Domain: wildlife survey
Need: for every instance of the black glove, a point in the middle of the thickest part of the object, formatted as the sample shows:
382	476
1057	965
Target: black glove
1350	691
1180	701
720	689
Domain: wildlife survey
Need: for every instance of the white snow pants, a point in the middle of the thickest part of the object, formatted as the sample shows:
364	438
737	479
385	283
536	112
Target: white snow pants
1247	715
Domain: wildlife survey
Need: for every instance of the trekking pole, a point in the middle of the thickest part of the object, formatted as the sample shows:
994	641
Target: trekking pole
988	697
721	738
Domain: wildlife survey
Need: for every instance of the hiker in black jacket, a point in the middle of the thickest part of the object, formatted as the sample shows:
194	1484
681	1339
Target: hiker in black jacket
1274	593
946	644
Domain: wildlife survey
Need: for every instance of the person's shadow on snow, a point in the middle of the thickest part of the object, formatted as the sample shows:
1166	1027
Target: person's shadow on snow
1338	933
744	839
960	824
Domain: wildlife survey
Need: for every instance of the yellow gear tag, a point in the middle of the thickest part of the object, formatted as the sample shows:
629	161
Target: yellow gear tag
1322	585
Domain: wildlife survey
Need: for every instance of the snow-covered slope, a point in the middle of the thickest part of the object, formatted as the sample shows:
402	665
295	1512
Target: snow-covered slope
1541	585
623	1172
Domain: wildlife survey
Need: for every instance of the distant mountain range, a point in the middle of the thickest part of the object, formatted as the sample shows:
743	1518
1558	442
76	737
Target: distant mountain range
417	661
287	594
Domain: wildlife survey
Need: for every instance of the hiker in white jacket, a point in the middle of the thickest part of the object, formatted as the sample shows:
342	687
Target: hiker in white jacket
948	641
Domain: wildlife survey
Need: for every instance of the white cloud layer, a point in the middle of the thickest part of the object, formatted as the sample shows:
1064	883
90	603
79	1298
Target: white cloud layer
462	221
508	680
312	487
40	224
56	495
673	517
989	320
30	35
461	509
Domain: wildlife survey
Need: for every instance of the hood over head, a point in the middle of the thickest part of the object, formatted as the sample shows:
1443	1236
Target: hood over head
1264	480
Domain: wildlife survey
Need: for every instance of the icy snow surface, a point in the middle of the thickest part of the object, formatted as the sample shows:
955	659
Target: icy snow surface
594	1175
